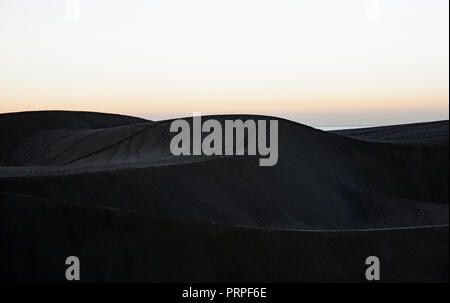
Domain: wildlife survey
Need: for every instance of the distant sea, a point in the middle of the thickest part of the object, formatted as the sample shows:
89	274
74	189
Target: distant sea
328	128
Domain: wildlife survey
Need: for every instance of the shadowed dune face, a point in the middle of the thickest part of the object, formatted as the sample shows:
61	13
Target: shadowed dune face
429	133
17	128
322	180
119	246
107	189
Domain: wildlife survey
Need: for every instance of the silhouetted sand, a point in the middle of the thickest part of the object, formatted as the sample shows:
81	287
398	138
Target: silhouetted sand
107	189
431	133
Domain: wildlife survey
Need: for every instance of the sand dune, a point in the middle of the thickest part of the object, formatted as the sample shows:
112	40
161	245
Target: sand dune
106	187
431	133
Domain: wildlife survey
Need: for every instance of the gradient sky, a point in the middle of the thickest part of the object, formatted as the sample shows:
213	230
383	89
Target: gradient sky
319	62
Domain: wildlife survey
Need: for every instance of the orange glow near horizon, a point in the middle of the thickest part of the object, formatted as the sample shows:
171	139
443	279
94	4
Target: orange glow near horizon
374	61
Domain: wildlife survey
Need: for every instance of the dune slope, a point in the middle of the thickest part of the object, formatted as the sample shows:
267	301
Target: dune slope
330	195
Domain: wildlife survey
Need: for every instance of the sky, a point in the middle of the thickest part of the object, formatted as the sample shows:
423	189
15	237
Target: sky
318	62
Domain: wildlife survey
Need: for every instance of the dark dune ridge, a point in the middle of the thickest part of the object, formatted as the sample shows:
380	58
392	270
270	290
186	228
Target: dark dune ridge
107	189
431	133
